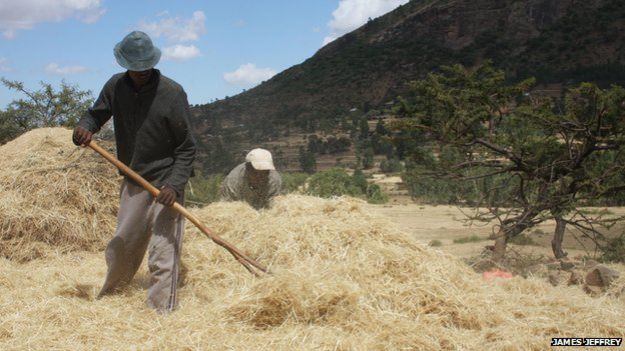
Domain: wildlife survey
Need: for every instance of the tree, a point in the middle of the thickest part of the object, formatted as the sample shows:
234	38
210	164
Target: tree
315	144
217	156
307	160
380	128
531	159
279	158
360	181
46	107
367	158
363	127
392	165
10	128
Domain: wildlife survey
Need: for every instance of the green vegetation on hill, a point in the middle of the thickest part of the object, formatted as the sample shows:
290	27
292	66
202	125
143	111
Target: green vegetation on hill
556	42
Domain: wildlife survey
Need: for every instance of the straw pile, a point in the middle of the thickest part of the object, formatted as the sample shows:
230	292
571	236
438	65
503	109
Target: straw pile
54	195
343	280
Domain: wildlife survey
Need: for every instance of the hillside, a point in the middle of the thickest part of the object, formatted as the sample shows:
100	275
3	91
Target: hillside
558	41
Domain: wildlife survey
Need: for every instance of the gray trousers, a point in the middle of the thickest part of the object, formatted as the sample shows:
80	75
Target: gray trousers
142	224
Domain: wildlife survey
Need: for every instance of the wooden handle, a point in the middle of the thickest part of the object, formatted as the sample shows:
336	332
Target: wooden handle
238	255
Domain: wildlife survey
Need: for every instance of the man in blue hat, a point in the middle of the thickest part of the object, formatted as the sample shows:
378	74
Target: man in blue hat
151	119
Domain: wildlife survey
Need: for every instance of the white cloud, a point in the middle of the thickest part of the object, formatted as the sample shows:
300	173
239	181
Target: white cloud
25	14
177	29
351	14
180	52
9	33
4	65
55	69
248	75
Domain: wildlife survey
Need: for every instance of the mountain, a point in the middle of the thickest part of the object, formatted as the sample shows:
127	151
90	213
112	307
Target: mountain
557	41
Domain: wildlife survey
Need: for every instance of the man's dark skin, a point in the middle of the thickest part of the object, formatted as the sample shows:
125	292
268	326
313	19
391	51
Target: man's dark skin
83	137
256	178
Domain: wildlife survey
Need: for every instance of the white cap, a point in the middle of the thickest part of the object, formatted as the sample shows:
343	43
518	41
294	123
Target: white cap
260	159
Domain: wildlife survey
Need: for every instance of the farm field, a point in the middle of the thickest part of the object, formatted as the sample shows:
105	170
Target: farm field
346	275
446	224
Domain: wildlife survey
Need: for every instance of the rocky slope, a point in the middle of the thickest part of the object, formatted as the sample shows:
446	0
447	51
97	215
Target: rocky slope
558	41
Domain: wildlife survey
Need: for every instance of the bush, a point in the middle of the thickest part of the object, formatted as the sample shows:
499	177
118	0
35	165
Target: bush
435	243
613	250
291	182
360	181
202	190
468	239
337	182
367	158
332	182
391	166
375	195
307	160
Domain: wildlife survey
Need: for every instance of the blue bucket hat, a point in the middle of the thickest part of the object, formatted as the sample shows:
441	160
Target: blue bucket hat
136	52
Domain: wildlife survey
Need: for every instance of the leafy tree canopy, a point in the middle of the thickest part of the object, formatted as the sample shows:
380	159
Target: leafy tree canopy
531	158
46	107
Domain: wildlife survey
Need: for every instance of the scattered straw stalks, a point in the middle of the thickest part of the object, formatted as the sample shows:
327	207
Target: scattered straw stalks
54	196
343	279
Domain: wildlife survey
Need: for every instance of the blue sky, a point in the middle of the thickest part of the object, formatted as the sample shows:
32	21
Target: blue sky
212	48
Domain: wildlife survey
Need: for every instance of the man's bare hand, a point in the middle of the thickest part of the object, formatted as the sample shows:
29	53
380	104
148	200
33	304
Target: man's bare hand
81	136
167	196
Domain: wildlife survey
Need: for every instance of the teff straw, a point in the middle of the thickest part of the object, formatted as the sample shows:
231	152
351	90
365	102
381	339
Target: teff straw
247	262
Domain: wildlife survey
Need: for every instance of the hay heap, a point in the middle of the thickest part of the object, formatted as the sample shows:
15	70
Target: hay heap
54	195
343	280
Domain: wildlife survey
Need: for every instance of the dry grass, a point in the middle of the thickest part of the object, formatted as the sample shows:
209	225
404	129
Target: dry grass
53	195
343	279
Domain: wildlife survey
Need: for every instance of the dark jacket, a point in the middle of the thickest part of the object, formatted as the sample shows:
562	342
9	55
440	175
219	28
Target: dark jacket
152	127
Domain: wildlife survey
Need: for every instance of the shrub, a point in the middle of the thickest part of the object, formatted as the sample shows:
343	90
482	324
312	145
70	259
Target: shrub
391	166
435	243
332	182
337	182
613	250
468	239
202	190
307	160
291	182
359	180
367	158
375	195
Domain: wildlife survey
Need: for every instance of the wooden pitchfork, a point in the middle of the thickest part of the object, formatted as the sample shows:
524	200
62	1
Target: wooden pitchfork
247	262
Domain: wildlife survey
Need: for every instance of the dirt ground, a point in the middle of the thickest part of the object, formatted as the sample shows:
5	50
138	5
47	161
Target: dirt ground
445	224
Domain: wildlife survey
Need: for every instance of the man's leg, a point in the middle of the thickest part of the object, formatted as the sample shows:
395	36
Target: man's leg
125	251
164	257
